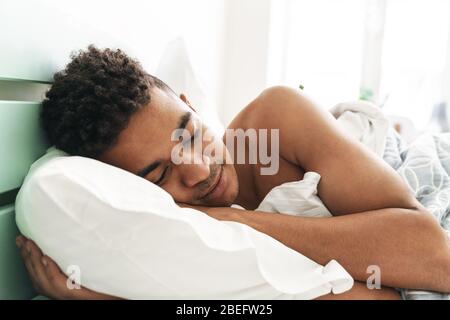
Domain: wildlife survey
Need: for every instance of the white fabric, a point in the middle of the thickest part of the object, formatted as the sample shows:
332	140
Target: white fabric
176	69
362	120
298	198
129	239
365	122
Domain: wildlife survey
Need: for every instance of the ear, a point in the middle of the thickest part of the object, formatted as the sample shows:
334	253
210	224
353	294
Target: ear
185	100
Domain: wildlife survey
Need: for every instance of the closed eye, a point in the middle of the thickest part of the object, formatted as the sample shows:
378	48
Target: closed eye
161	178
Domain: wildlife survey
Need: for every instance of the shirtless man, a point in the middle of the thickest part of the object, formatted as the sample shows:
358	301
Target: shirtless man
105	106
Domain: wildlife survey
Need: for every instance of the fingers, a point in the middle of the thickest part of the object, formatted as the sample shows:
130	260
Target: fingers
32	257
51	268
20	239
54	274
59	282
25	252
35	256
45	275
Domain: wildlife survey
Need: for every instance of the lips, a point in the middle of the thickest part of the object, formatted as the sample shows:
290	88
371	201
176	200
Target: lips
215	184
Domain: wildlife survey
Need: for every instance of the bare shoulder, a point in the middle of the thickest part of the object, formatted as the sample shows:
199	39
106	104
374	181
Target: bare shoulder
300	122
269	108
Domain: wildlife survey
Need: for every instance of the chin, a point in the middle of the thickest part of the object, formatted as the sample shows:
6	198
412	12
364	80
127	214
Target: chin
226	190
226	200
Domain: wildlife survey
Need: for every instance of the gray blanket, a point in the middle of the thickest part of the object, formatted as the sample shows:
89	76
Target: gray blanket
425	166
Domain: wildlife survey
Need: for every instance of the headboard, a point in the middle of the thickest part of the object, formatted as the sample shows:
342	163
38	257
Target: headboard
32	49
36	41
21	143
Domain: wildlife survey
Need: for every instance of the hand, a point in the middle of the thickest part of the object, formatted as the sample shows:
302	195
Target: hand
47	278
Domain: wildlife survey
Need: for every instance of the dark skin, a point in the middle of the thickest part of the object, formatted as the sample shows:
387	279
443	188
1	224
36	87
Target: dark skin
376	219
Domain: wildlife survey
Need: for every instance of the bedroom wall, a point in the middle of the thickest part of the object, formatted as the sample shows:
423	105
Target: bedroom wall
246	62
41	33
147	27
228	40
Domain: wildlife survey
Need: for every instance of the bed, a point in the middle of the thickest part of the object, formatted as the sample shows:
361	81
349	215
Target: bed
31	51
21	143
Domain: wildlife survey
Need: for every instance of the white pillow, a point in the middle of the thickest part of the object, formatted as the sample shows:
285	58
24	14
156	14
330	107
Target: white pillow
128	238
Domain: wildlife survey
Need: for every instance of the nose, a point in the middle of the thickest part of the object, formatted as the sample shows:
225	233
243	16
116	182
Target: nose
193	173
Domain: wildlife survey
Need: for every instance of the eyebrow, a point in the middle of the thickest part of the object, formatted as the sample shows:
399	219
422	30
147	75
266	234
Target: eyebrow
182	123
184	120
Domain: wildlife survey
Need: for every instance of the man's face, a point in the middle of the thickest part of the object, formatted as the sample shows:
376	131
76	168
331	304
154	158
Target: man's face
145	148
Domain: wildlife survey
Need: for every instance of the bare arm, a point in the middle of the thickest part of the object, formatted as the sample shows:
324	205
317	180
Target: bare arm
409	247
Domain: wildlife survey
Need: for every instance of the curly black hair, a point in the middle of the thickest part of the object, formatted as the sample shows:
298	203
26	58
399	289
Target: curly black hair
92	100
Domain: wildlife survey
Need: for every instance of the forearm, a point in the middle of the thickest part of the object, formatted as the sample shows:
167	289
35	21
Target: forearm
407	245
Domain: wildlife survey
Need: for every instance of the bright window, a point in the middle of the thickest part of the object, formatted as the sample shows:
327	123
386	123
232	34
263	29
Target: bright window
393	52
324	48
414	57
